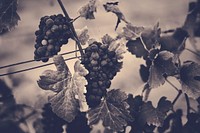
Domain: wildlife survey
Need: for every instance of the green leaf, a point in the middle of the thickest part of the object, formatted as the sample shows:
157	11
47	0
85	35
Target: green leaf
155	116
190	79
88	10
112	111
8	15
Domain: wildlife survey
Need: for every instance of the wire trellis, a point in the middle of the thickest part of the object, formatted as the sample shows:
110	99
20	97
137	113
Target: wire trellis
35	67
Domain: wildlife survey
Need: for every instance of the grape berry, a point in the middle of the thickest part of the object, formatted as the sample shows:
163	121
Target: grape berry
54	31
102	65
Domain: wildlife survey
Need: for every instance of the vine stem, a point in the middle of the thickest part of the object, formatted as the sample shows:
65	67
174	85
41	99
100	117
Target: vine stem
26	117
187	103
179	91
177	97
193	52
172	85
71	27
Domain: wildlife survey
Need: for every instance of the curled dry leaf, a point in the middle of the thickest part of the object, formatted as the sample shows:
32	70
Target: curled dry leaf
113	7
83	35
112	111
69	98
88	10
190	79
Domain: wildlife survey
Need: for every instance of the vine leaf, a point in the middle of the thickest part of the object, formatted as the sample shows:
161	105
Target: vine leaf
88	10
191	24
69	98
163	65
190	79
115	45
55	80
112	111
143	41
136	48
174	43
83	35
150	37
131	32
8	15
155	116
113	7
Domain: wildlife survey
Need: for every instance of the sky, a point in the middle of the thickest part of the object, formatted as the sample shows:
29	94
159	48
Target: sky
18	44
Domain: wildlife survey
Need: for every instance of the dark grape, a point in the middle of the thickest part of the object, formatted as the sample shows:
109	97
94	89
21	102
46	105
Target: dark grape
102	65
53	32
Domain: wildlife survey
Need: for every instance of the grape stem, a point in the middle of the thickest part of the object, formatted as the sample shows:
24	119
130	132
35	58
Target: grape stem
73	20
72	28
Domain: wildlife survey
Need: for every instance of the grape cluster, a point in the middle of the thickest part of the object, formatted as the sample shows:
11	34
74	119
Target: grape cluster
54	31
102	65
52	123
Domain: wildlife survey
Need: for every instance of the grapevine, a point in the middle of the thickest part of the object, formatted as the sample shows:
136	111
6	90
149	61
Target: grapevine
78	100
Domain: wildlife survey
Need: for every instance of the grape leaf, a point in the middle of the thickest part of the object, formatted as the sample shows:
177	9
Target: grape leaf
152	115
131	32
190	79
172	123
114	45
191	24
83	35
69	99
174	43
135	106
55	80
150	37
112	7
8	15
163	64
88	10
136	48
112	111
107	39
146	40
